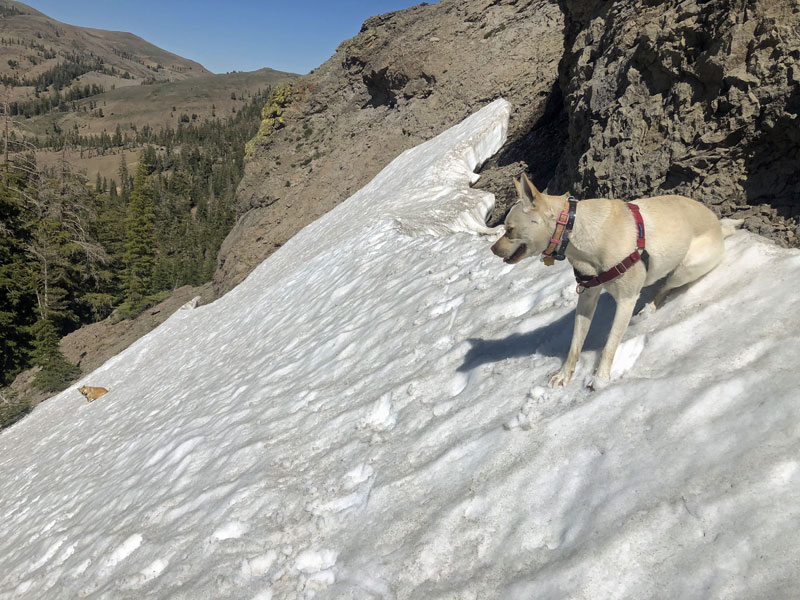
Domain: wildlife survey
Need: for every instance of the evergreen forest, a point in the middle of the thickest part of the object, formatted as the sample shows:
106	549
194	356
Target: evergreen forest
73	251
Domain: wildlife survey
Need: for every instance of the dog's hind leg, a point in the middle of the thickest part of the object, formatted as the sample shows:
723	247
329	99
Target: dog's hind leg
704	253
587	303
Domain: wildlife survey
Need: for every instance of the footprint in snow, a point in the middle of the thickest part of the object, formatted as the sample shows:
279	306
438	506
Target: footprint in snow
382	417
627	354
123	551
532	412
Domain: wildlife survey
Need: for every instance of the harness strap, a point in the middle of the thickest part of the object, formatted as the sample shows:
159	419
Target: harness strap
560	240
587	281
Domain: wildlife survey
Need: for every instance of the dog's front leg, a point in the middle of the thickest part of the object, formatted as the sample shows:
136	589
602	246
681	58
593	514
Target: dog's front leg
622	317
587	303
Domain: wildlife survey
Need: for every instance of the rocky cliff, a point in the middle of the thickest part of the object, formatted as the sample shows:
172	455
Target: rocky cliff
686	96
622	99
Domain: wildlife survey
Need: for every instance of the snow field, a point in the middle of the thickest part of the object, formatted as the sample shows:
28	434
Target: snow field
366	417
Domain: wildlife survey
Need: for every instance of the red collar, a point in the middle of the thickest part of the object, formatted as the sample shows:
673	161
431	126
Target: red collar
560	237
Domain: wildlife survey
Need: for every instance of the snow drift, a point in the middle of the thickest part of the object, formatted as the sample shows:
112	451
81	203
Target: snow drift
365	417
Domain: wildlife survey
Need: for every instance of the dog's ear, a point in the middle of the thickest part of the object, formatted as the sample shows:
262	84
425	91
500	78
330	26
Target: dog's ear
529	191
518	186
528	194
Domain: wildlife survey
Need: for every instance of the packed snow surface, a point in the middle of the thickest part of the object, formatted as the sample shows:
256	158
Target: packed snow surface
366	417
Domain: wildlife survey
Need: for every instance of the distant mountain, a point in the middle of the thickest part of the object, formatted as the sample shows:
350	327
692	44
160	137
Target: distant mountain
59	78
37	53
159	104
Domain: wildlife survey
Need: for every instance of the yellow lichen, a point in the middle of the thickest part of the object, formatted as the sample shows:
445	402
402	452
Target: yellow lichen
271	118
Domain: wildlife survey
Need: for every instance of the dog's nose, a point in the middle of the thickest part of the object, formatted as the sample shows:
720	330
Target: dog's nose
496	248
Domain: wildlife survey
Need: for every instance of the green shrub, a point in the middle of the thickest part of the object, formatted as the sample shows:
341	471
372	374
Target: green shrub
271	118
489	34
12	408
99	304
128	311
56	375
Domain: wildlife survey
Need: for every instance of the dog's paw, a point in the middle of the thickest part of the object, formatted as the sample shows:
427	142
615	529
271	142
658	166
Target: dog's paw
561	377
596	383
647	310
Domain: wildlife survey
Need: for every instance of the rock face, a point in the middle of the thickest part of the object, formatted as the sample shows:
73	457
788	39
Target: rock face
686	96
616	99
406	77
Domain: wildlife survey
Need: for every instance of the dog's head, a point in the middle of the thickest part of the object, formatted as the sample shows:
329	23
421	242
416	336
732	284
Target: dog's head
83	390
528	225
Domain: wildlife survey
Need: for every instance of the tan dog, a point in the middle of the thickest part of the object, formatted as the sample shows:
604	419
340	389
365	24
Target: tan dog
92	393
683	238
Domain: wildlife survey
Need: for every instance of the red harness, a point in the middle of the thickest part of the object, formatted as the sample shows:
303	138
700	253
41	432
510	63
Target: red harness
586	281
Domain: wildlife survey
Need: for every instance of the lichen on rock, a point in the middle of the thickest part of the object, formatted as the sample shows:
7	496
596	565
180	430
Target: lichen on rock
271	117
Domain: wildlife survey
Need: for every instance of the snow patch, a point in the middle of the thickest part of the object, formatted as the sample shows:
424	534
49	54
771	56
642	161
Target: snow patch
314	561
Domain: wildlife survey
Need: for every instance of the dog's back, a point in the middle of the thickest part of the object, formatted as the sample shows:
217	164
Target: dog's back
92	393
678	229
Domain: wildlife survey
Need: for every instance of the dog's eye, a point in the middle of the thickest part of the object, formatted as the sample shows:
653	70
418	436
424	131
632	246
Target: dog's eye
509	232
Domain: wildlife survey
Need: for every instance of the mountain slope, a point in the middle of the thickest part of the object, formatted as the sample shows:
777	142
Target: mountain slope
35	44
364	417
63	78
206	97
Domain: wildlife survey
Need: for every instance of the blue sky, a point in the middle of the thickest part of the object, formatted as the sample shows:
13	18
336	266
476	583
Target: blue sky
233	35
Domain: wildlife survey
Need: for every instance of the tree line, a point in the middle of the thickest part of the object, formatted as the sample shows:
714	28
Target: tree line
55	101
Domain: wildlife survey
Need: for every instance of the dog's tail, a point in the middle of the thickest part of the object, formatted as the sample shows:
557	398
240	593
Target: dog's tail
729	226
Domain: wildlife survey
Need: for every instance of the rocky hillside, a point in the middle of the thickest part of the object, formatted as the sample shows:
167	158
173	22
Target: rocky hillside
406	77
620	99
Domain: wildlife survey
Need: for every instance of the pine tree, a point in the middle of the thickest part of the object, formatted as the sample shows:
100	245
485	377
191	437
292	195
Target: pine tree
124	177
56	371
64	255
140	241
17	305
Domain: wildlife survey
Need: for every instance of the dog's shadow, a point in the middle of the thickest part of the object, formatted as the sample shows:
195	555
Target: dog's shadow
552	339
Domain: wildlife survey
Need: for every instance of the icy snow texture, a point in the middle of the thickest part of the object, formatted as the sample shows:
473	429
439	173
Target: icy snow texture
366	417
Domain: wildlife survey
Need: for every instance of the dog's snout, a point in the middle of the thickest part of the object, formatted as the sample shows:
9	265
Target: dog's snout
496	248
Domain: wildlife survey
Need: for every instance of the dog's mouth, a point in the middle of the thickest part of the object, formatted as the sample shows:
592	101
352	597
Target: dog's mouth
517	256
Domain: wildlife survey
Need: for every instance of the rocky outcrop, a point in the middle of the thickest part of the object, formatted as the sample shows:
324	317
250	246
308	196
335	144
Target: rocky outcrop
686	96
404	78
